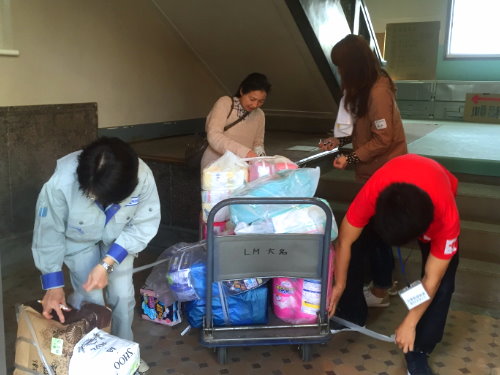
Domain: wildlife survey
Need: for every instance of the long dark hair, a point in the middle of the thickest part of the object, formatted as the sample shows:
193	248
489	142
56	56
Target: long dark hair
359	69
253	82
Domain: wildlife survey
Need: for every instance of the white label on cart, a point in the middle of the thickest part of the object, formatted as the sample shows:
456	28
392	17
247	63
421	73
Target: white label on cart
414	295
311	293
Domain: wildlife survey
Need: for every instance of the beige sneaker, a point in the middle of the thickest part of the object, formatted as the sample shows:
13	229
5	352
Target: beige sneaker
143	367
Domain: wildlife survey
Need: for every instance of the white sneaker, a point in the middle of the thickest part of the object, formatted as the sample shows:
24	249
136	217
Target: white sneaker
143	367
374	301
394	289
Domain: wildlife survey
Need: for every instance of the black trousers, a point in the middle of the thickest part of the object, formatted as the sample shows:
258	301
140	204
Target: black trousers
380	260
352	304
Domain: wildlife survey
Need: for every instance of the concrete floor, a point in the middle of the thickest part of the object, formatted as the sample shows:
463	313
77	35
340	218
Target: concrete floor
471	342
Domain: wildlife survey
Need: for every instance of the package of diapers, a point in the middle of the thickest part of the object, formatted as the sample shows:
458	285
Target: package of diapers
267	166
209	198
227	172
297	301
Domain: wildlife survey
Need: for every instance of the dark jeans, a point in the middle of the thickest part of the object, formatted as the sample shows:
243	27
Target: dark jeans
430	328
352	304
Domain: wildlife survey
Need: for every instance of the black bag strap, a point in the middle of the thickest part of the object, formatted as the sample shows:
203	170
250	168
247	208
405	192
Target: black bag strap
230	108
227	127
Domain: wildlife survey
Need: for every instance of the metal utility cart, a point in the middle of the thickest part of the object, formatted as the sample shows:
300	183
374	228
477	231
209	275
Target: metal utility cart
267	255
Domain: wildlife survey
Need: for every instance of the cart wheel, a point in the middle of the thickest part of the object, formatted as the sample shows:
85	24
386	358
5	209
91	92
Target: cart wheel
222	355
305	352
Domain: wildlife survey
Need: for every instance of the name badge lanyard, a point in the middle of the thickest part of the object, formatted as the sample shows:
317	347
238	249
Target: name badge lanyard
403	267
413	294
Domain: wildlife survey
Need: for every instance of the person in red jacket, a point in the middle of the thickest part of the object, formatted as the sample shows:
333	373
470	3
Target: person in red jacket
409	197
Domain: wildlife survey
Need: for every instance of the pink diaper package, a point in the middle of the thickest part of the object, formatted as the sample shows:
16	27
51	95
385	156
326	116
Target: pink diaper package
267	166
296	301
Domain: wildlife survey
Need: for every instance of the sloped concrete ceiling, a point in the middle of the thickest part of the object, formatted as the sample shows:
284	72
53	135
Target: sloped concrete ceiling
234	38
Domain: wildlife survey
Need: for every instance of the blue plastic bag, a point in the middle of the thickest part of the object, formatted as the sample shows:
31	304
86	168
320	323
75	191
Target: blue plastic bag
245	308
291	183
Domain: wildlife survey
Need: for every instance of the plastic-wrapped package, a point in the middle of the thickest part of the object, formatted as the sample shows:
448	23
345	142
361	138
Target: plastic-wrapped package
157	279
180	267
220	228
234	287
245	308
209	198
303	219
259	168
293	219
287	183
227	172
267	166
296	301
260	226
153	309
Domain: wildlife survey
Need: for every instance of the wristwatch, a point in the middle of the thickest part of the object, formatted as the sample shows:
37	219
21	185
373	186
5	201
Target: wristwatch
107	267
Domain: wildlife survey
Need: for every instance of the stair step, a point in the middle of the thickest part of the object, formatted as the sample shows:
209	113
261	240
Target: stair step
475	284
478	241
477	202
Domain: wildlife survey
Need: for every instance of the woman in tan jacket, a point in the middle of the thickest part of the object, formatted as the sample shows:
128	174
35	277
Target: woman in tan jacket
377	136
246	138
369	95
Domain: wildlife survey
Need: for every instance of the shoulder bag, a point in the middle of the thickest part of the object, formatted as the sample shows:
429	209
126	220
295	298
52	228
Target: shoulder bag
195	149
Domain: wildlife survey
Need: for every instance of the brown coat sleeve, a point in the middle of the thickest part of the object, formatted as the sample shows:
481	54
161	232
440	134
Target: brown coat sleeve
376	129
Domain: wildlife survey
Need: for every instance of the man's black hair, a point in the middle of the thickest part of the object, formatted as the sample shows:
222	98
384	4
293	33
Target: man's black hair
402	213
107	170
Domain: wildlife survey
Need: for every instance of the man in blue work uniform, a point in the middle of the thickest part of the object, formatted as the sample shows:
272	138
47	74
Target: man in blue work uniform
99	209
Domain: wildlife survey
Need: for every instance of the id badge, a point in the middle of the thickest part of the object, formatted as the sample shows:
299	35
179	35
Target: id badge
414	295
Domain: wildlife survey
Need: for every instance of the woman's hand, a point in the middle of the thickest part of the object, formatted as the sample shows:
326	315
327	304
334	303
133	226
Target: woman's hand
340	162
328	143
251	154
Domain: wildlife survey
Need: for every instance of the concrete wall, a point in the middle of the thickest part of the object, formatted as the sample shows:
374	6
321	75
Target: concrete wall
121	54
156	61
32	138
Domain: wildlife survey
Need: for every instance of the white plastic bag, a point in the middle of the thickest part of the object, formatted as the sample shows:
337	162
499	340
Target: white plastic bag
99	352
227	172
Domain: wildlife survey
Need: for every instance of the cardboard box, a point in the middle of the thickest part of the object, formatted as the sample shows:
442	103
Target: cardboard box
39	337
482	107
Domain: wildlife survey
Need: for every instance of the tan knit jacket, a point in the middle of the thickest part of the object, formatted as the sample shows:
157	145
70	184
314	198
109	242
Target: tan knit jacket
239	139
378	136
